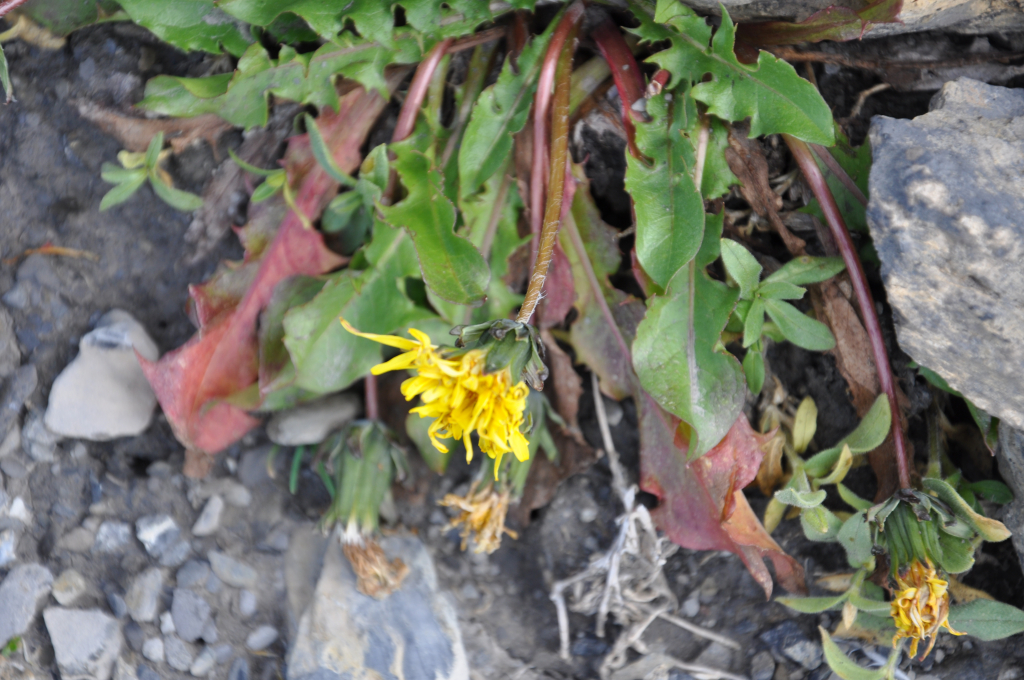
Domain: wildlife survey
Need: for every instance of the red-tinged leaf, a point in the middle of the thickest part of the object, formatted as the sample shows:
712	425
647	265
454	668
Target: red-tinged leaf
559	290
832	23
701	504
193	381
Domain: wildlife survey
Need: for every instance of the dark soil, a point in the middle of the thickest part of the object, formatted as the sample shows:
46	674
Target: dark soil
50	189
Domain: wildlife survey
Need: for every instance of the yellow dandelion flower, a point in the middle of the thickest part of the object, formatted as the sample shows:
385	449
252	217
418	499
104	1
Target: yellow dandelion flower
921	606
460	397
482	517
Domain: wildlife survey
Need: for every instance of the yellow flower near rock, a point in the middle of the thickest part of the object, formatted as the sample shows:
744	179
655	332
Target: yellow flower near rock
921	606
459	395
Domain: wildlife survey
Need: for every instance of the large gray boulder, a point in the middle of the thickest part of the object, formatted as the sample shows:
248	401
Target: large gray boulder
413	633
947	195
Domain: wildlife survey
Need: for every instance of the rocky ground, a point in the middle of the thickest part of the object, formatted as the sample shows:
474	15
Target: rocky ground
113	564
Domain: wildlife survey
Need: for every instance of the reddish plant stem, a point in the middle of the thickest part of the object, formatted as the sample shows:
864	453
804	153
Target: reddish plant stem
471	41
559	159
805	159
418	91
541	109
626	74
833	165
370	395
8	5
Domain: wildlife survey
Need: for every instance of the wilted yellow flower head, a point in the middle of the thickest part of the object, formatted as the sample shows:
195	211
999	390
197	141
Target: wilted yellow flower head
921	606
482	517
460	396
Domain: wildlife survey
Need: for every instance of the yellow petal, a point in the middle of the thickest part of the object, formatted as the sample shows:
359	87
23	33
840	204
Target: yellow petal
399	363
389	340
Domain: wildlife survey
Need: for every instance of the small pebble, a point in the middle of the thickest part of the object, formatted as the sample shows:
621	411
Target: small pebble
77	540
691	607
246	603
157	533
153	649
179	653
20	511
239	670
209	518
231	571
213	584
117	605
68	587
167	624
209	634
176	555
261	638
144	672
588	515
8	546
135	636
112	537
203	663
192	573
223	652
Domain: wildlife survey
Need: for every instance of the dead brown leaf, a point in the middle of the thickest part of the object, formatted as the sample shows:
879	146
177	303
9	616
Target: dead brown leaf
136	133
748	163
565	385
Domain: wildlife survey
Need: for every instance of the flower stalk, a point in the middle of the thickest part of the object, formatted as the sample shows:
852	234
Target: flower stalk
805	159
562	47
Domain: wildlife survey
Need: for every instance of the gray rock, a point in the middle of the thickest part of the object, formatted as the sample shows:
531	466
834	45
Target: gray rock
86	642
210	634
261	638
134	636
144	672
193	573
68	587
13	467
167	623
240	670
213	584
179	653
190	613
691	606
231	571
37	441
311	423
103	394
157	533
10	443
715	655
10	355
153	649
78	540
246	603
176	554
1010	454
15	393
209	518
762	666
223	653
8	546
143	597
21	594
122	671
946	196
112	537
118	607
414	632
203	663
789	641
233	493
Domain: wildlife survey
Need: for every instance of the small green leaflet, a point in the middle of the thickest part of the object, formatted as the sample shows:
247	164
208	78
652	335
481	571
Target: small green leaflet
842	665
987	619
5	77
677	359
499	113
322	17
189	24
812	605
669	208
868	435
770	93
855	537
452	266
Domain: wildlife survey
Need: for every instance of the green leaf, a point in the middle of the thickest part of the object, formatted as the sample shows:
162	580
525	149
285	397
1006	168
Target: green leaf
115	174
5	78
122	192
986	619
500	112
189	24
264	191
989	529
957	554
753	369
780	290
842	665
769	93
990	489
327	357
322	17
176	198
323	155
801	499
868	435
806	269
812	605
61	17
855	537
869	606
852	499
452	266
669	209
754	324
678	358
800	329
252	169
820	524
742	267
718	178
156	145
